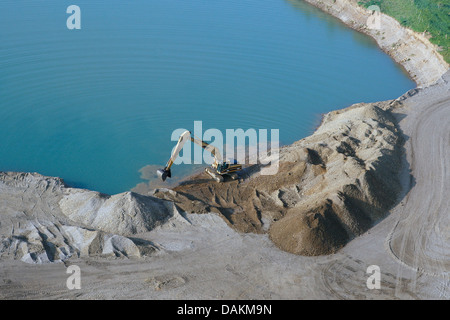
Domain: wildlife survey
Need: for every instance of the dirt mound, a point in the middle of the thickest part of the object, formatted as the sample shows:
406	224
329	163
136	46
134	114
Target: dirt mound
43	220
309	231
52	242
125	213
330	187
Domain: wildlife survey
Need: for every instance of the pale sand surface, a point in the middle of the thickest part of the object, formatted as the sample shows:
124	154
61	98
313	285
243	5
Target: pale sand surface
203	258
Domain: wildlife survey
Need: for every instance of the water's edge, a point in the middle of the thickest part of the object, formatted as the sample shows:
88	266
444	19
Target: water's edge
391	32
75	201
424	66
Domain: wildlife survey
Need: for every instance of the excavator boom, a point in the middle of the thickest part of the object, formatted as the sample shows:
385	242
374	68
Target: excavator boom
218	166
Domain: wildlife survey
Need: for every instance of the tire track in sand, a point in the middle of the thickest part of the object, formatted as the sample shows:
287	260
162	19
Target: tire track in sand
420	238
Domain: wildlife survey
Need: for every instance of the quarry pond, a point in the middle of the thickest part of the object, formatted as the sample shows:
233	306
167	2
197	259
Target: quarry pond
95	105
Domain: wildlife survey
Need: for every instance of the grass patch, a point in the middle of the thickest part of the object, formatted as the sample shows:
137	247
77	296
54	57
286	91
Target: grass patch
431	16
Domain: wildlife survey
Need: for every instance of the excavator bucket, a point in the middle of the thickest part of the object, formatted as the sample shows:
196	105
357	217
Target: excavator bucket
164	173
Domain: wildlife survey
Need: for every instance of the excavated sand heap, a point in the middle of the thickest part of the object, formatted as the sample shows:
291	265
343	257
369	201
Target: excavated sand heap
43	220
330	187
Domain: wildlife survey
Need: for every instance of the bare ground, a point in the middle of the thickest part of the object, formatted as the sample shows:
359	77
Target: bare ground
421	234
201	257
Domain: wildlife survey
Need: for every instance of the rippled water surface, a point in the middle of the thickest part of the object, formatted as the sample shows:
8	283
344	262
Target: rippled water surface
95	105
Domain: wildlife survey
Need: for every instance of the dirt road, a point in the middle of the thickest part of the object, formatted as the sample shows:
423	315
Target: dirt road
421	235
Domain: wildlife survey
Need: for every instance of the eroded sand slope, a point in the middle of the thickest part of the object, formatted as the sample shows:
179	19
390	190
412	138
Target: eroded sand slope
42	220
412	50
330	187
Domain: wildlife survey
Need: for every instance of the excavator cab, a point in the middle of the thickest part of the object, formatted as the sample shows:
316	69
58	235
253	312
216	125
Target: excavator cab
228	167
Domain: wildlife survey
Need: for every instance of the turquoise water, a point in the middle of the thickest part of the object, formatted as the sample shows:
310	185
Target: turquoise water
95	105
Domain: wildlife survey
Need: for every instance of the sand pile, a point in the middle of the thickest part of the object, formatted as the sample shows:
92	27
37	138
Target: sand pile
125	213
43	220
330	187
44	243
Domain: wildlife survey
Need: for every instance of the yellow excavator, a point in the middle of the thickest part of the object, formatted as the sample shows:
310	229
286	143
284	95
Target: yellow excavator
219	168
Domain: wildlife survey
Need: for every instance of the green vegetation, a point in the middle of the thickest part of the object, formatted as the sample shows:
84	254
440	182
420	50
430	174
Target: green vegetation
431	16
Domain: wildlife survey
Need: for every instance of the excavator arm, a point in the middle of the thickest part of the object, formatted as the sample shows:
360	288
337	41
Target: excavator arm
185	136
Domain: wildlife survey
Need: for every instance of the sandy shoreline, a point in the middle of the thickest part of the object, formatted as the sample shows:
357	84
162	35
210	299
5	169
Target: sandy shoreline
412	50
192	256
